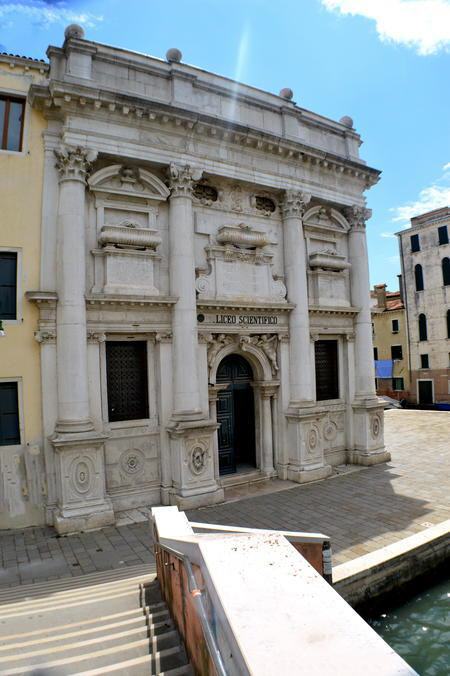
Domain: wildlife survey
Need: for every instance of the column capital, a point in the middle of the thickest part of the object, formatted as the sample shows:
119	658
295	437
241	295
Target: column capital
182	178
294	203
357	217
74	163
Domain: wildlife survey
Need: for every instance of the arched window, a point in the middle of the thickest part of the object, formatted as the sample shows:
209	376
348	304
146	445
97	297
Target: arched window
418	274
448	323
446	271
422	327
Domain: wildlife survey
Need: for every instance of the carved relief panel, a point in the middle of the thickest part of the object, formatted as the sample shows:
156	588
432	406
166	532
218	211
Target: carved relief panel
328	273
240	267
126	203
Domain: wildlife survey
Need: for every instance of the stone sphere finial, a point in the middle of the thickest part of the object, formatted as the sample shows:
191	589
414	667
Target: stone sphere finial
347	121
74	31
173	55
287	94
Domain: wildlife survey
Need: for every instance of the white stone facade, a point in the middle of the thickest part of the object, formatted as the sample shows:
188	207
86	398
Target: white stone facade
205	219
429	263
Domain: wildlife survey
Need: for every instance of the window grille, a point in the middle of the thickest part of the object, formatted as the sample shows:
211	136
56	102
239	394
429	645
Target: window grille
127	383
327	369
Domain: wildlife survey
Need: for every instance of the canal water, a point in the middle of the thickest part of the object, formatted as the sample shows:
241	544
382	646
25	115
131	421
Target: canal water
419	629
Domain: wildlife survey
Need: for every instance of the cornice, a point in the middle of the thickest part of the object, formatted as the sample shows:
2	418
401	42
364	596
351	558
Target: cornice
67	98
239	305
103	299
342	311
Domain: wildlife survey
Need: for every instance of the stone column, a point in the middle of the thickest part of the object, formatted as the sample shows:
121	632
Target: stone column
82	503
293	208
368	443
359	289
73	165
190	430
186	393
267	391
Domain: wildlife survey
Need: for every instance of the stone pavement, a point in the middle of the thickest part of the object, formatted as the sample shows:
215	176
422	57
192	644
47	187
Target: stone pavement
361	511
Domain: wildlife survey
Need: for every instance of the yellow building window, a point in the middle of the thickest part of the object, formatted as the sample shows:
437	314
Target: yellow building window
12	113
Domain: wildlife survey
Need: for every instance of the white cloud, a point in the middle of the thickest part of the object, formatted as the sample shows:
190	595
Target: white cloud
45	14
432	197
388	235
421	24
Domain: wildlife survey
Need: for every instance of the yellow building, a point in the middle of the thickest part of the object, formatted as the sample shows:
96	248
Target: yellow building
390	343
22	476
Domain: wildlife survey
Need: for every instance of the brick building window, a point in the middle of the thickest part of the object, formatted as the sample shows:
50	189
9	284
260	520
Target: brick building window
424	361
415	243
8	285
418	276
398	384
9	414
446	271
127	383
395	326
327	371
396	352
443	234
423	333
12	113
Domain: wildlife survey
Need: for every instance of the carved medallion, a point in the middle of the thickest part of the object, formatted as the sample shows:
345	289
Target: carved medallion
330	430
132	461
376	426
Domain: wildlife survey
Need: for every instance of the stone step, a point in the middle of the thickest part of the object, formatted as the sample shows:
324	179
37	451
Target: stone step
68	596
138	666
142	573
158	662
75	648
48	629
41	637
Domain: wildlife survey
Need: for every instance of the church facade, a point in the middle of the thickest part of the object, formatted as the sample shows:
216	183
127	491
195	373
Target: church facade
204	311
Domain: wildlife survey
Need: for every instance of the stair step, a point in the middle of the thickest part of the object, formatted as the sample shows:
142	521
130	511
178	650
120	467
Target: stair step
100	659
78	647
136	667
89	623
142	573
40	638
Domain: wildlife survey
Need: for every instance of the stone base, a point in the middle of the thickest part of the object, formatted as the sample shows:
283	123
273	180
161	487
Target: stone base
368	459
199	500
303	476
72	521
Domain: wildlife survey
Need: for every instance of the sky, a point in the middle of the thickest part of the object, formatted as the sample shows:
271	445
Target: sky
386	63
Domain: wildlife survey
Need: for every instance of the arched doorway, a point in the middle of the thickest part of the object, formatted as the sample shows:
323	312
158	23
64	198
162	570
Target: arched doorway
236	415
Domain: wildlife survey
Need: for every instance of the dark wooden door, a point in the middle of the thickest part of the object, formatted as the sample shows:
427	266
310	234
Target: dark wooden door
235	415
425	392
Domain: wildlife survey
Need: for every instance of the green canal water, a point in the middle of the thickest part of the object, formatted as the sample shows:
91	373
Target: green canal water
419	629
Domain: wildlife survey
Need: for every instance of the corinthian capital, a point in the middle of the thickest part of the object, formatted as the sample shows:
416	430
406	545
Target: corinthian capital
74	163
295	203
357	216
182	179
